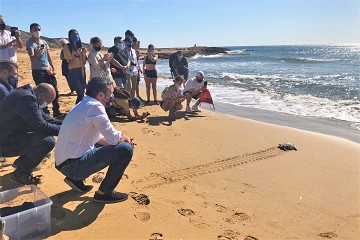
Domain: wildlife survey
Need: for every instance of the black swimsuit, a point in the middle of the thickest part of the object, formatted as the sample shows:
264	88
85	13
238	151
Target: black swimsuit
150	73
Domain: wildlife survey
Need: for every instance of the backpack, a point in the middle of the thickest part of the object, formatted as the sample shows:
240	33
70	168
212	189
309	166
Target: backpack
171	59
206	98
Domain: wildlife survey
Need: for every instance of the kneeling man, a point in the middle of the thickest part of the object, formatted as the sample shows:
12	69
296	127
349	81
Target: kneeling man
26	131
88	142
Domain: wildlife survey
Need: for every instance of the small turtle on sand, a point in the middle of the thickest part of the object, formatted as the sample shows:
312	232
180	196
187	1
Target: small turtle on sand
287	146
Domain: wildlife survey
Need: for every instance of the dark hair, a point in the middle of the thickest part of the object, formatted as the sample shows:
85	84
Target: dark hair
95	40
117	39
8	65
34	25
129	33
150	45
74	46
97	85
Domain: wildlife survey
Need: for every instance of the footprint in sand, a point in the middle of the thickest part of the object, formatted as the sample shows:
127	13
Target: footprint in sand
220	208
142	216
198	222
57	212
140	198
186	212
98	177
124	176
241	216
146	130
328	235
228	234
156	236
250	238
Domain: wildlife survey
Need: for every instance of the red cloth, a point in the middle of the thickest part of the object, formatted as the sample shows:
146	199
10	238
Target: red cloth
206	98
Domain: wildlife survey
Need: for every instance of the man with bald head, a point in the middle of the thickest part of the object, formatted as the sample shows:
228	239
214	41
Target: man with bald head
26	131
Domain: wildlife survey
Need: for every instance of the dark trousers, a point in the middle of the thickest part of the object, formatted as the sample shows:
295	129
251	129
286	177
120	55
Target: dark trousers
77	78
31	147
117	157
42	76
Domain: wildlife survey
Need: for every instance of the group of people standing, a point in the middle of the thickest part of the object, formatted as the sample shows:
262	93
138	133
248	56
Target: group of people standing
87	141
121	62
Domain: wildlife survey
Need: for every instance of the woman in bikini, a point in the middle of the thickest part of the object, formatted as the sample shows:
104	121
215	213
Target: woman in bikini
150	74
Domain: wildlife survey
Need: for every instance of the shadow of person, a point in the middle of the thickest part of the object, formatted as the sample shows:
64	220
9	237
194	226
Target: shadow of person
6	183
156	121
64	219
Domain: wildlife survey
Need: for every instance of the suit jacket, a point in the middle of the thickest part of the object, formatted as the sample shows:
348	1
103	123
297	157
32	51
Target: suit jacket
20	113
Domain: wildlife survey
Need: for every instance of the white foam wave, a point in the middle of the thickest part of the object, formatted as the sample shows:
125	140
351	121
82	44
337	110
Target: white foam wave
239	52
199	55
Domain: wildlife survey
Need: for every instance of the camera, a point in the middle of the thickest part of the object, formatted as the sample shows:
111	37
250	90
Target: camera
132	64
13	31
205	83
42	46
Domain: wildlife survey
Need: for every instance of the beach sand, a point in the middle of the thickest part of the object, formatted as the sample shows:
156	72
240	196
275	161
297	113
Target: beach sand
210	176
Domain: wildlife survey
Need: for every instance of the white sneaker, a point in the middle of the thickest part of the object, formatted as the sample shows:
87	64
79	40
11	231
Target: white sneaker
188	109
195	108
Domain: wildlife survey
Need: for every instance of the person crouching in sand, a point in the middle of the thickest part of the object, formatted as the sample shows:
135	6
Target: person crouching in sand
172	97
122	103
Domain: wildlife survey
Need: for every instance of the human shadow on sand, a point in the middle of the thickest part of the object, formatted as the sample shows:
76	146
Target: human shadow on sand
63	219
164	120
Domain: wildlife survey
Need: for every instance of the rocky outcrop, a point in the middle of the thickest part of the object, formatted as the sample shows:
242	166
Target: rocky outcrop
164	53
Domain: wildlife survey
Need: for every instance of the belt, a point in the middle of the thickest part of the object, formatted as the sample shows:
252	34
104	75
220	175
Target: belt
66	162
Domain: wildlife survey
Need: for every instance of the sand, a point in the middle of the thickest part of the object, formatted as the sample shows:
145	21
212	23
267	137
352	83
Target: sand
211	176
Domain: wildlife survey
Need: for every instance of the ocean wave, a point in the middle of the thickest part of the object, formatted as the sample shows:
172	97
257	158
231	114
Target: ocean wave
301	105
237	76
240	52
304	60
199	55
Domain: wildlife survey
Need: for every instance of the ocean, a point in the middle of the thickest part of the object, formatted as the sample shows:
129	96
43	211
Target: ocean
313	85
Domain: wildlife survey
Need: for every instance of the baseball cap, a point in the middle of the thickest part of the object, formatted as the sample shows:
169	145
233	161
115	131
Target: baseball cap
134	102
200	73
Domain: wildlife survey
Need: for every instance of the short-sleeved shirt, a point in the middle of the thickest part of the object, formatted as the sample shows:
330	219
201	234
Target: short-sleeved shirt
41	63
8	53
121	57
193	84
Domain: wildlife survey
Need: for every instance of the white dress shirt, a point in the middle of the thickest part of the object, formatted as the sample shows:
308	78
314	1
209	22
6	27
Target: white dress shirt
82	128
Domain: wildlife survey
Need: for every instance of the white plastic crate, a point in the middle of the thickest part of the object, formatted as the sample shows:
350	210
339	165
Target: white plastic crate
31	222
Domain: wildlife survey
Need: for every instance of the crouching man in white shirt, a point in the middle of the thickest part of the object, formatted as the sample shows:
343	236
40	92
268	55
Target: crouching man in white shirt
88	142
193	89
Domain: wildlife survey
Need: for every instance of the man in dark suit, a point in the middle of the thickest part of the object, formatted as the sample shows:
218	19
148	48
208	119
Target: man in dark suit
26	131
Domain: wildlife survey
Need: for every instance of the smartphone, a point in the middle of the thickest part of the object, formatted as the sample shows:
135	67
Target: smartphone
13	30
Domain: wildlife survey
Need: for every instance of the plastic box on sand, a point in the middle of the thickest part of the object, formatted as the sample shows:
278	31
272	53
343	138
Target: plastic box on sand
28	223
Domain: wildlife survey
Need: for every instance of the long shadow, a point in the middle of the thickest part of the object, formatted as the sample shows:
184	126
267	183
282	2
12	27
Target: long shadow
63	219
6	183
164	120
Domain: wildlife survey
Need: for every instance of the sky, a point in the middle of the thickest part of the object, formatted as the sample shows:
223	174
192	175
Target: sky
183	23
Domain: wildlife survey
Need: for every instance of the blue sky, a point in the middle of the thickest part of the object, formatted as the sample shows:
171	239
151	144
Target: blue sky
183	23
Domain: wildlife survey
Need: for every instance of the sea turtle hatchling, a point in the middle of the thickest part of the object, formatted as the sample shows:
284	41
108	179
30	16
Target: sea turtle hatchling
287	146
